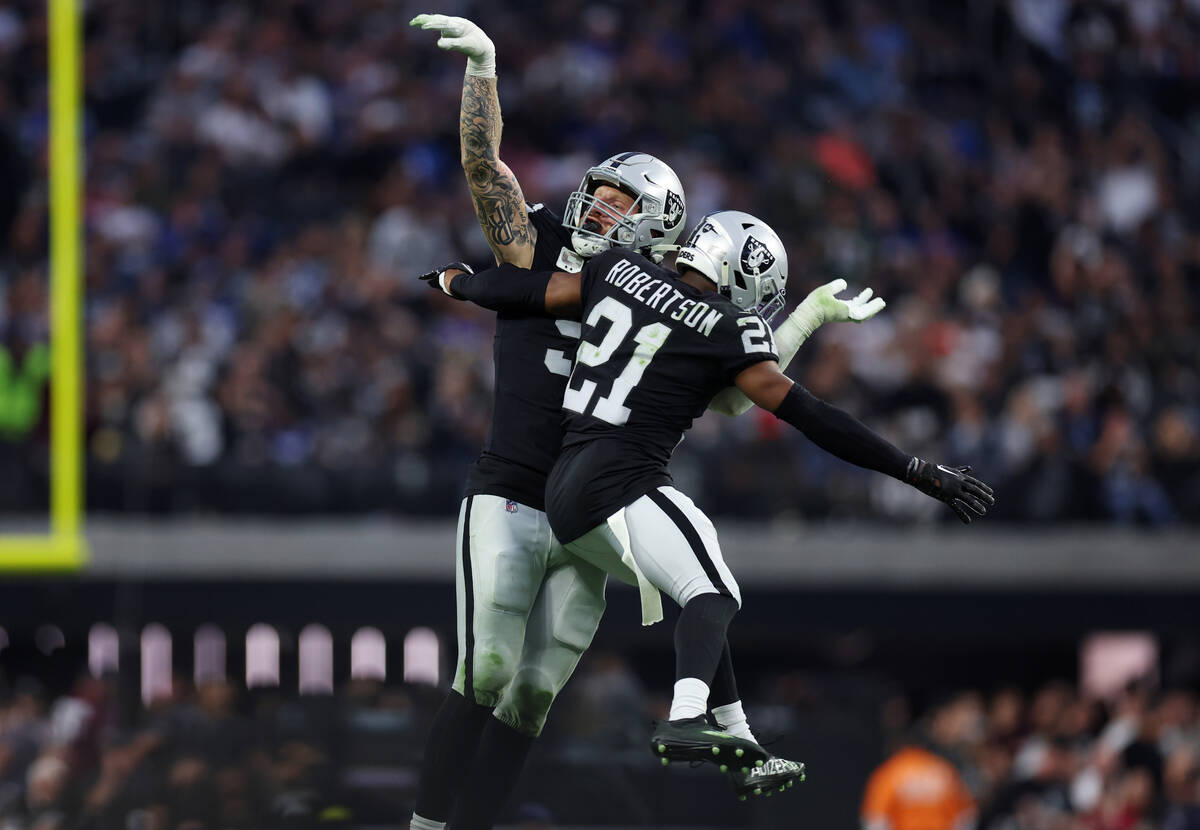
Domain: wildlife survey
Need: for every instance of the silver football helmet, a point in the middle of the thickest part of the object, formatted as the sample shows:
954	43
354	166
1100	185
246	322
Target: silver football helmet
743	256
655	219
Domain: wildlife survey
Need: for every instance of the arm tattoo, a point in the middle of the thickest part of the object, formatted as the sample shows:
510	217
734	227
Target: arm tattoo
499	202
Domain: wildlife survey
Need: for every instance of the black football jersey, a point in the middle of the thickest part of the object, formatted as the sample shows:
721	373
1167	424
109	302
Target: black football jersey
532	360
653	353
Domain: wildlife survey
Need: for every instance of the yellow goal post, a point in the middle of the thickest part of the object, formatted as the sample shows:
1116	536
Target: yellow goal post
64	547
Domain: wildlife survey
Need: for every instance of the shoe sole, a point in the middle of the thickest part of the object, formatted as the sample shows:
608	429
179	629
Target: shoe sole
768	788
743	755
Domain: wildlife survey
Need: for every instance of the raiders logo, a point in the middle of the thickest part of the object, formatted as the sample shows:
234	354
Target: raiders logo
672	210
755	257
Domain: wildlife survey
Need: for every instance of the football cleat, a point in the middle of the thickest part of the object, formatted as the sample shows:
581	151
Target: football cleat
694	739
775	774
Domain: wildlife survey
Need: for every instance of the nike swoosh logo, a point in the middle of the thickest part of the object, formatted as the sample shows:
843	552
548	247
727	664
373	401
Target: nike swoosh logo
716	734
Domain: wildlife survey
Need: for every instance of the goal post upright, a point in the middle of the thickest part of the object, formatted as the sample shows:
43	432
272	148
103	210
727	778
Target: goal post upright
64	547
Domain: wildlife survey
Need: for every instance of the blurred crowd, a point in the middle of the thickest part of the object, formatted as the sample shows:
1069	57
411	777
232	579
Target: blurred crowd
215	756
212	756
1019	178
1055	760
198	758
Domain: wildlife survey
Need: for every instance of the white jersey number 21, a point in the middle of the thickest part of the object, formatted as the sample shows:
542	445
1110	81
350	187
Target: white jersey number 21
649	339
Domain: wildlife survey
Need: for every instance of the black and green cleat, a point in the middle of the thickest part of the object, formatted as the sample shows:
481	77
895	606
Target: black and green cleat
694	739
777	774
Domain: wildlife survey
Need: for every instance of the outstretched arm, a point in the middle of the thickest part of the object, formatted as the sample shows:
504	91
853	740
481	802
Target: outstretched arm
820	306
499	202
510	289
841	434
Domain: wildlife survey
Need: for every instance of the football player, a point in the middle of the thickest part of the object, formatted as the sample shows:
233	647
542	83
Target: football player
526	610
657	345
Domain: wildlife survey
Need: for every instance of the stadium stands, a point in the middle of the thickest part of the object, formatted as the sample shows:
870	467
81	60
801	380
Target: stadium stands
265	181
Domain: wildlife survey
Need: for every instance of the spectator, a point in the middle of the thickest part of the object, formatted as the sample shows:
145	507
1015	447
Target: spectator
916	789
264	182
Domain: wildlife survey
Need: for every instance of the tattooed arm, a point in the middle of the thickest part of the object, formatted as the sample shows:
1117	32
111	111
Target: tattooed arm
499	203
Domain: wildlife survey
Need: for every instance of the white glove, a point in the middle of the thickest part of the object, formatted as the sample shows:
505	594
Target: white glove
461	35
823	306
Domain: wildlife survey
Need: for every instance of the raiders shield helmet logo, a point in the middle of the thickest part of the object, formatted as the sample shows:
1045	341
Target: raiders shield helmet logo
672	210
755	257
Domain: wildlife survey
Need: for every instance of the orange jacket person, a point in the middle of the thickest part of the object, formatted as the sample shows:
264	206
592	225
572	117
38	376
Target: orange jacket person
916	790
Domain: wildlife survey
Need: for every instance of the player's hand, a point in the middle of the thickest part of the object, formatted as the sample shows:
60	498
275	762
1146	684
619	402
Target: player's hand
439	278
461	35
835	310
967	496
822	306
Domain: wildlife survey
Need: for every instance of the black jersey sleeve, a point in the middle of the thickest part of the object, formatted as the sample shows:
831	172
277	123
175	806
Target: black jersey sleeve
505	288
840	433
747	341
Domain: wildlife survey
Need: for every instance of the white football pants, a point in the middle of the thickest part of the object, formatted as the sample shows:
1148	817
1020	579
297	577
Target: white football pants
527	610
673	543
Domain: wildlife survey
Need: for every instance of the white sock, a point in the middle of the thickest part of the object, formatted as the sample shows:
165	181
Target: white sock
733	720
690	700
419	823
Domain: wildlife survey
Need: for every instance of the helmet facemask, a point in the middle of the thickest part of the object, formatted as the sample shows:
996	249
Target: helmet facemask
766	299
654	220
590	241
771	305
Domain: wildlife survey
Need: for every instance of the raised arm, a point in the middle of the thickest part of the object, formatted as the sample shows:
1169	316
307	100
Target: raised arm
840	433
820	306
499	202
510	289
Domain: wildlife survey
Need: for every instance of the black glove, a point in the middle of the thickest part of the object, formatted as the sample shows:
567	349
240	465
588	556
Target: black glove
434	277
964	493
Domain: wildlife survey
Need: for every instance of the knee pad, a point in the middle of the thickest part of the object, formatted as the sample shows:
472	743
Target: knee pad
527	701
493	667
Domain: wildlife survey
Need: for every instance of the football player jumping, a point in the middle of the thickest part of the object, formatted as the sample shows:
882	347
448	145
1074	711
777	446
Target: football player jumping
656	347
526	610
